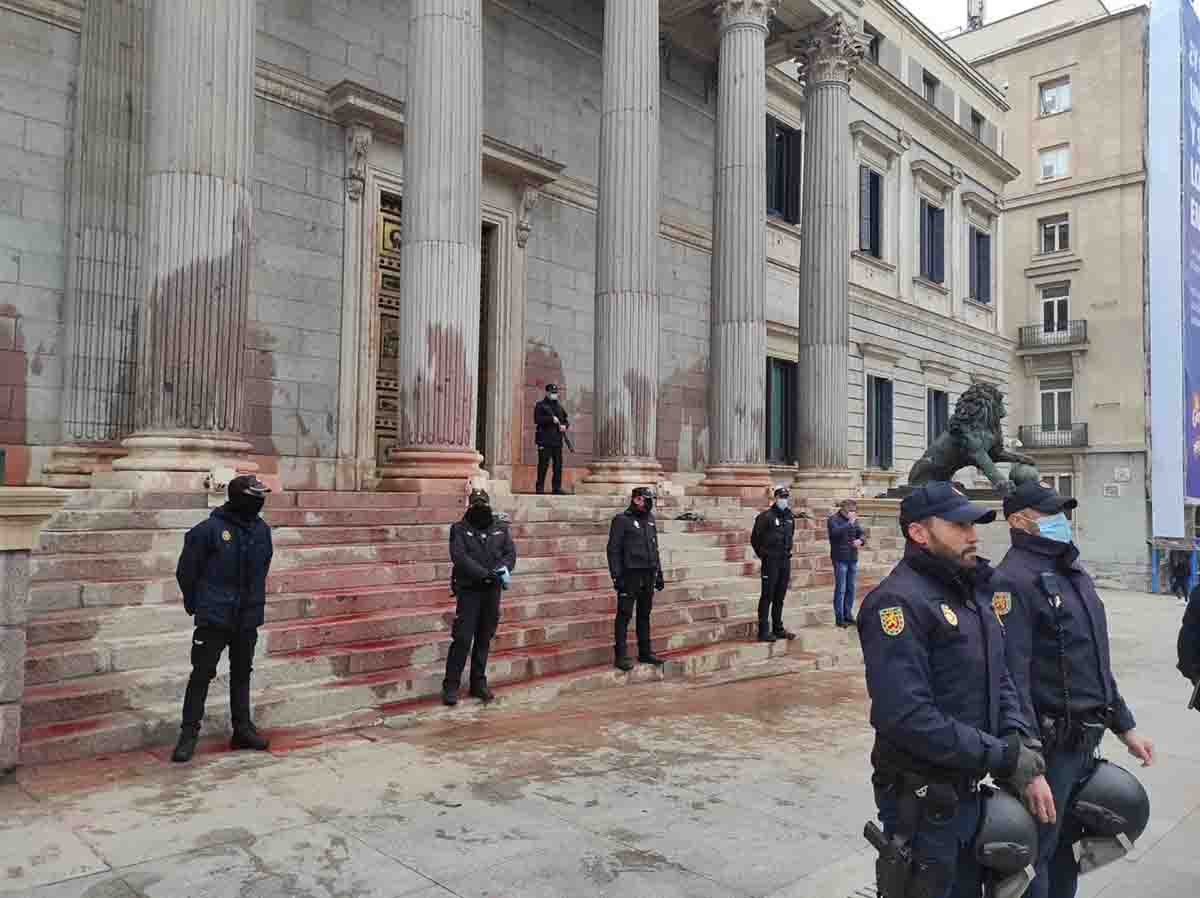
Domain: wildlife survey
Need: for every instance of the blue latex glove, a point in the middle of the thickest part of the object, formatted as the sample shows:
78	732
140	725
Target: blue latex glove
505	577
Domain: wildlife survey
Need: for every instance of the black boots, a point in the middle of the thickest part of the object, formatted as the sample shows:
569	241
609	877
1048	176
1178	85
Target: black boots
648	657
450	696
186	746
624	662
765	635
781	633
482	693
246	737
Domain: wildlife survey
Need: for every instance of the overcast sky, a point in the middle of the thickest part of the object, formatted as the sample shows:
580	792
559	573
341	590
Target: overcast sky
942	15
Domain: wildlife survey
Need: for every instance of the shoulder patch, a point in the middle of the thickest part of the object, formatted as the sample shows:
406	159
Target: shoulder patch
226	535
948	613
892	620
1002	603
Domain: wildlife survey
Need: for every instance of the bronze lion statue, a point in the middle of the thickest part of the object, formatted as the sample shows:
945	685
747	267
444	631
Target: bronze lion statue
973	439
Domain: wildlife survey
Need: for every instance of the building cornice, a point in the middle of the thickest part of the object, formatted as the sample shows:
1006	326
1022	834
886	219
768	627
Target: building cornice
892	89
1055	35
864	132
898	310
1069	191
944	181
983	205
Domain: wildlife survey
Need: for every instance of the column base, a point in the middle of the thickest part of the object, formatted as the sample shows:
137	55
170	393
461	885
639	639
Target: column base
71	466
444	471
618	477
745	481
820	487
175	462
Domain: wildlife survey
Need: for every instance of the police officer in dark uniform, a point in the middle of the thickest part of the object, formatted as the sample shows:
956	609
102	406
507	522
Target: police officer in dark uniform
484	558
636	570
550	418
771	539
944	709
222	573
1058	655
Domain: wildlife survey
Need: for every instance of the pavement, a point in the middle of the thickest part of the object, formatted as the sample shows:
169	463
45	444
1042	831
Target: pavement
746	784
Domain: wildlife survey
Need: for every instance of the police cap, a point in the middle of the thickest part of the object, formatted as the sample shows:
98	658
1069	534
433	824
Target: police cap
941	499
1039	497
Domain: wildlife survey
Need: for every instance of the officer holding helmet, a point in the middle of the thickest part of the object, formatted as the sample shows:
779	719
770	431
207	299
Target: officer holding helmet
637	573
1058	654
943	706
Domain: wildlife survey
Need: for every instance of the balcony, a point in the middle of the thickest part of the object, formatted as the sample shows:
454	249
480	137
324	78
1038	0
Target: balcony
1037	437
1036	336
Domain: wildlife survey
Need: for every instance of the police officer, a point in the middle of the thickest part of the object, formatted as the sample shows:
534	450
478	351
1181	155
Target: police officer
550	418
222	573
636	570
771	539
943	707
1057	652
484	558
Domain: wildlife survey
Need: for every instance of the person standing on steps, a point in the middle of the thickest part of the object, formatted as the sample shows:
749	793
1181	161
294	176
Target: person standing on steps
222	573
484	557
550	418
845	539
772	540
636	569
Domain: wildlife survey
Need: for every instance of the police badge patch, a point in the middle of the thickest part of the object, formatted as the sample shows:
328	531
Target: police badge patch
1001	603
226	535
951	617
892	620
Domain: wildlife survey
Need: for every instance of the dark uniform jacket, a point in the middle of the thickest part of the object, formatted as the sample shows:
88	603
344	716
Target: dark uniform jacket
544	413
222	571
632	544
941	696
773	533
842	534
1032	644
478	552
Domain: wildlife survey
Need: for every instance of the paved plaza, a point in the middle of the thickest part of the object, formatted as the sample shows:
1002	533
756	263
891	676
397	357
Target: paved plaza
709	789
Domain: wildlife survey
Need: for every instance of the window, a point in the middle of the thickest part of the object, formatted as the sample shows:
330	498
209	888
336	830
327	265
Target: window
937	414
929	88
1056	403
1055	96
933	242
879	422
1056	308
870	211
980	251
976	125
1063	484
1055	162
876	40
1056	234
781	411
783	171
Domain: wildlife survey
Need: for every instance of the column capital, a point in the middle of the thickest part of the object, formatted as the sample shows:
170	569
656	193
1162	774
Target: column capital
744	13
830	52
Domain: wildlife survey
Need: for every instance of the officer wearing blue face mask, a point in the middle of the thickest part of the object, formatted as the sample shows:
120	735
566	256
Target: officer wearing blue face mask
1056	645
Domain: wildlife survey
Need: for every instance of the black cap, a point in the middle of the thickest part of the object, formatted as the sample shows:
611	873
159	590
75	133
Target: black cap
479	497
782	492
646	492
942	499
551	388
1039	497
248	485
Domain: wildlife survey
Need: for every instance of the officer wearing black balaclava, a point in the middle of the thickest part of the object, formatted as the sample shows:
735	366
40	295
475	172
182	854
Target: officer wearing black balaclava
222	573
637	573
484	558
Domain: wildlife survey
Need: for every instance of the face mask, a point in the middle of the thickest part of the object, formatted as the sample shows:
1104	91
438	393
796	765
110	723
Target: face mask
781	504
246	506
1055	527
480	515
553	397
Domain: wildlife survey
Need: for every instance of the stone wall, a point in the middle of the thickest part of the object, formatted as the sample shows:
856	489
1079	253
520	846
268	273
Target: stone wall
295	303
38	63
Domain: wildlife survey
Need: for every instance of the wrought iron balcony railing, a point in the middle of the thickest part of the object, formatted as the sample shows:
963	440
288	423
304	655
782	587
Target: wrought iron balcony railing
1037	437
1038	336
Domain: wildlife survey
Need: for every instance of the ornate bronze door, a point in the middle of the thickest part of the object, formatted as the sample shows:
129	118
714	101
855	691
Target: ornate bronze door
387	328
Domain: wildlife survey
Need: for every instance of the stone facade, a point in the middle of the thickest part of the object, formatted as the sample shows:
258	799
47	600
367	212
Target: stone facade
332	81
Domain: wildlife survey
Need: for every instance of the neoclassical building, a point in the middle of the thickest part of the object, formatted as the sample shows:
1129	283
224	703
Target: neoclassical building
349	242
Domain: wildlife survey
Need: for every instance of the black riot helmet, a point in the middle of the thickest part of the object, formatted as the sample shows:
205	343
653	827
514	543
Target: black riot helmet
1007	839
1112	803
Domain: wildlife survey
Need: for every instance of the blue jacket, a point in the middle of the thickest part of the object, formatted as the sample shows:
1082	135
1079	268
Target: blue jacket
222	571
842	534
1032	643
941	697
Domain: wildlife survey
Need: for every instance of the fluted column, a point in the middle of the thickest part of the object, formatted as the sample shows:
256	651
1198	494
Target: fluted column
828	56
195	272
440	250
626	328
738	352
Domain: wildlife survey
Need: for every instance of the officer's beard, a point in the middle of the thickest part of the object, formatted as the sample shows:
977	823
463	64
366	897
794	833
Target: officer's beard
963	558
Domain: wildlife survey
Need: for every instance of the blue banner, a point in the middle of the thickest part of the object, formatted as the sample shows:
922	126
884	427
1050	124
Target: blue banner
1191	242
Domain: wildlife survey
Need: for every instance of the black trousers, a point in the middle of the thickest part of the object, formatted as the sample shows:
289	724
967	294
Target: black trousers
639	593
776	576
548	455
476	617
207	645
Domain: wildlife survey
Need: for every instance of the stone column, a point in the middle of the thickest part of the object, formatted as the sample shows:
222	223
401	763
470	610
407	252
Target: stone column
827	56
440	250
737	359
196	256
626	326
23	511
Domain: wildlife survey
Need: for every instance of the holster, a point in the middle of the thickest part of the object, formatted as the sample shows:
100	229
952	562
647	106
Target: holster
897	873
1082	734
